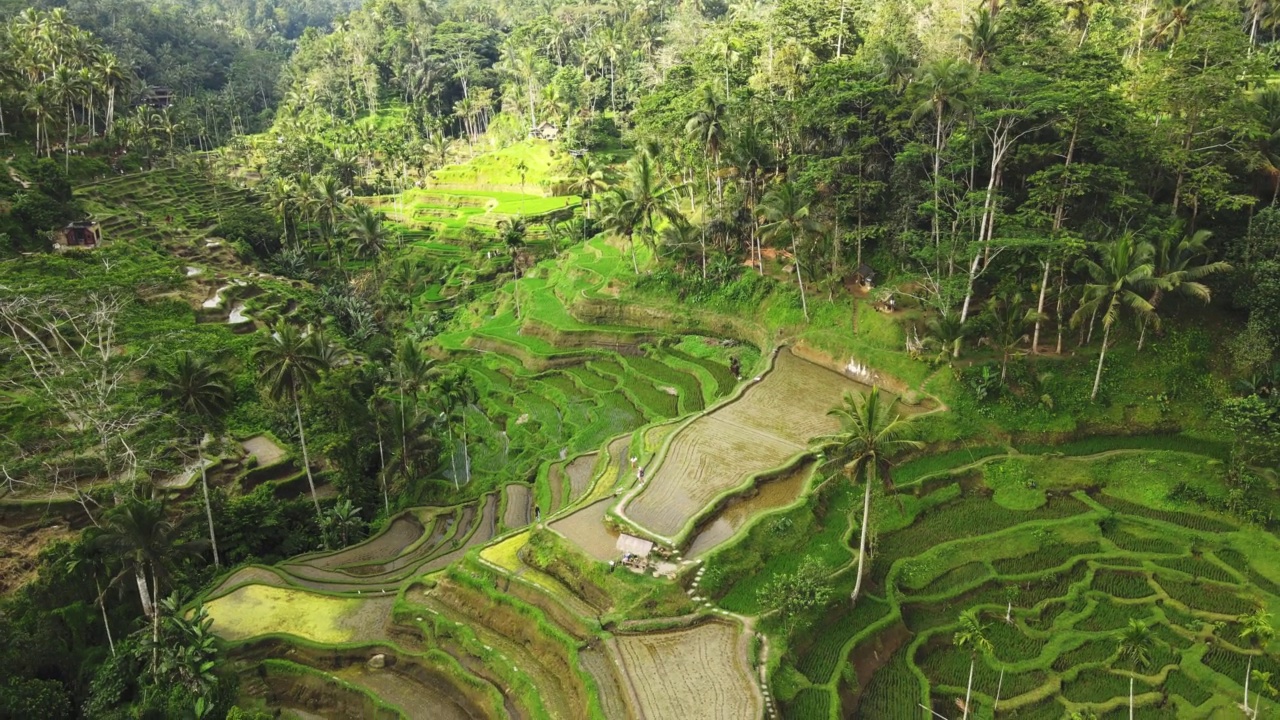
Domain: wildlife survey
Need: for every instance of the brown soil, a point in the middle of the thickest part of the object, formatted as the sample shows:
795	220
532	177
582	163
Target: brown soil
19	550
518	511
267	452
586	529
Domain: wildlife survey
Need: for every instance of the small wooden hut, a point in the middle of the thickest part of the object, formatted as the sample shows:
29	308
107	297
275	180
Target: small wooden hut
82	234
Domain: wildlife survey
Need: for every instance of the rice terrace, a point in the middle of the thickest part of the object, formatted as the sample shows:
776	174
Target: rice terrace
665	360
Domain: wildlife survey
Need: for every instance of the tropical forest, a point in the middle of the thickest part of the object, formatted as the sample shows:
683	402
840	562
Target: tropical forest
639	359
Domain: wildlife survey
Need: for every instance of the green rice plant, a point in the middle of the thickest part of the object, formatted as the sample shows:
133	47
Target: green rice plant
593	380
1199	568
924	616
1237	560
1195	521
665	375
912	470
1049	709
893	691
1092	651
1102	443
1108	616
1096	685
954	578
1048	613
967	516
1127	562
1126	540
1169	637
812	703
1011	644
1177	683
1050	555
1051	585
725	381
658	403
943	664
1205	596
1121	584
821	658
1233	664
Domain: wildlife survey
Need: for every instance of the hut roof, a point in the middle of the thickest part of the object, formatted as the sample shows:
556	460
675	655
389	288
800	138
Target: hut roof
634	545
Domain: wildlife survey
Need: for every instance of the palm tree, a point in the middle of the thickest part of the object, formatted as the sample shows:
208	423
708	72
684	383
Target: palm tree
706	126
1134	644
869	435
941	89
290	363
979	38
366	232
972	637
1263	679
199	392
788	221
280	198
620	220
589	179
141	534
1256	630
513	232
1177	269
647	195
1122	271
1009	323
330	199
947	332
1175	16
458	392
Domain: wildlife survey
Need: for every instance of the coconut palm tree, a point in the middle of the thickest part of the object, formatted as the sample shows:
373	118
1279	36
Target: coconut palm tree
647	195
706	126
146	540
457	391
1256	630
619	220
1122	271
1008	326
1134	644
1178	268
366	233
870	433
971	636
589	179
513	232
289	364
979	38
788	221
198	390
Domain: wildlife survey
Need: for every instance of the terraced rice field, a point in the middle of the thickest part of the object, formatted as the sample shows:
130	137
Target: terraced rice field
255	610
696	673
770	423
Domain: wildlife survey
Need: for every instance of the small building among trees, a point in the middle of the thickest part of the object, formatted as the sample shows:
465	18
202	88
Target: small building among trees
157	97
81	234
545	131
865	276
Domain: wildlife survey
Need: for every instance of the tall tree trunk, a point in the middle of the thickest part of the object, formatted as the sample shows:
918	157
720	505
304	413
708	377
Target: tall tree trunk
1248	671
1062	294
862	543
1097	378
515	285
155	621
795	252
382	466
937	170
1130	698
144	590
111	108
968	693
208	509
106	623
1044	285
306	459
840	37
